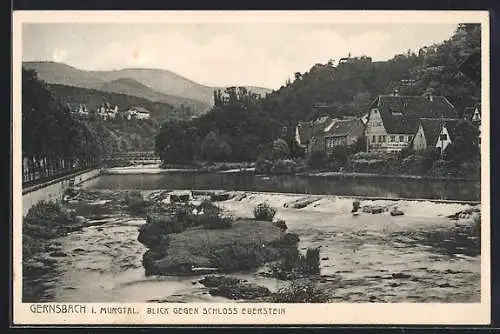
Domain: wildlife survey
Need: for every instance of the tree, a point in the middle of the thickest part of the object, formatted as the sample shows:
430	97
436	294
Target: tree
318	159
465	145
215	149
338	156
280	149
175	142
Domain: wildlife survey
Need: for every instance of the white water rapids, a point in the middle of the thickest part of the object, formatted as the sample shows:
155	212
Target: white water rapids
104	262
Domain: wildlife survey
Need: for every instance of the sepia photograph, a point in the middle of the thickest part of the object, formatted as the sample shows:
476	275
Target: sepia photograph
249	166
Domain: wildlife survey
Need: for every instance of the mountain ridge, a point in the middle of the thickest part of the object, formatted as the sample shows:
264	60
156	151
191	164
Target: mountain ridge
133	87
160	80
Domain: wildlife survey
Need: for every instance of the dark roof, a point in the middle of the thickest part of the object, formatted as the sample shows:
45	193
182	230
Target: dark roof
308	129
400	114
342	127
451	126
432	128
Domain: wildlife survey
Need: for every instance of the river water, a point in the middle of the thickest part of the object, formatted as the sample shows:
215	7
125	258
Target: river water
416	257
320	184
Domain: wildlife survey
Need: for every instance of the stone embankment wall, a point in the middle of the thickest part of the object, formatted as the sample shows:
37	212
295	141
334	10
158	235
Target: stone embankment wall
54	190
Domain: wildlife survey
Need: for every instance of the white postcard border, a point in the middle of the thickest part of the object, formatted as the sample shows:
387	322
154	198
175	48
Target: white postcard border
334	313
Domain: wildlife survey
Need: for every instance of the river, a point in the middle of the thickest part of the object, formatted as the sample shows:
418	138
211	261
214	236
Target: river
149	177
377	257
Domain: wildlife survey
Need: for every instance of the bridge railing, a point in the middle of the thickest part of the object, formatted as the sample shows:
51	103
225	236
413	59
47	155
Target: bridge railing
133	156
37	172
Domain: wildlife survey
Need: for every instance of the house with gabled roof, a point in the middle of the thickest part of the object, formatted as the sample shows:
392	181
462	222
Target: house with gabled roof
342	132
434	133
305	130
393	119
326	133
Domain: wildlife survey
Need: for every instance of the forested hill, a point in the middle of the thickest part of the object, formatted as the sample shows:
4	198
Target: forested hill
50	132
350	87
249	124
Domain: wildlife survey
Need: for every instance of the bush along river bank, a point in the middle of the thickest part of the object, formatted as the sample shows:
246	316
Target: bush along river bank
206	246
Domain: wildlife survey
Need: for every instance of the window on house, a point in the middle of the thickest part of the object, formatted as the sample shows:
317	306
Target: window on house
409	138
374	139
393	138
401	139
383	139
444	136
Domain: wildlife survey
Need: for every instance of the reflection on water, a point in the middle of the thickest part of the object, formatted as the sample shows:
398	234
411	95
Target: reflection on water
332	185
419	257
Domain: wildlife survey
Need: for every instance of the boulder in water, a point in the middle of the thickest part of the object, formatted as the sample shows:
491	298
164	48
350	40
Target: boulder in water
221	197
465	214
375	209
355	206
400	276
396	212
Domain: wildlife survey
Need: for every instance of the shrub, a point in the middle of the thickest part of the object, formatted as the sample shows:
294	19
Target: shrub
135	202
47	220
338	157
318	160
212	218
299	291
429	157
164	224
283	166
208	215
281	224
293	264
264	212
280	149
263	166
309	264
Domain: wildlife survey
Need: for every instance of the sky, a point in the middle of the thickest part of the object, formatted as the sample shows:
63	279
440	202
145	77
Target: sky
222	54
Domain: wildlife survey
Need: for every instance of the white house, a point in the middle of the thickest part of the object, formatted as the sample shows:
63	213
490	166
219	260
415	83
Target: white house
432	132
78	108
138	113
107	111
393	119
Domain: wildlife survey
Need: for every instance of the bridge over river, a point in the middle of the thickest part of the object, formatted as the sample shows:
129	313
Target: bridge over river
135	157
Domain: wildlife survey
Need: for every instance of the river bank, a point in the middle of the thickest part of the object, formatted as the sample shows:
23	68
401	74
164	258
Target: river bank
422	256
157	169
